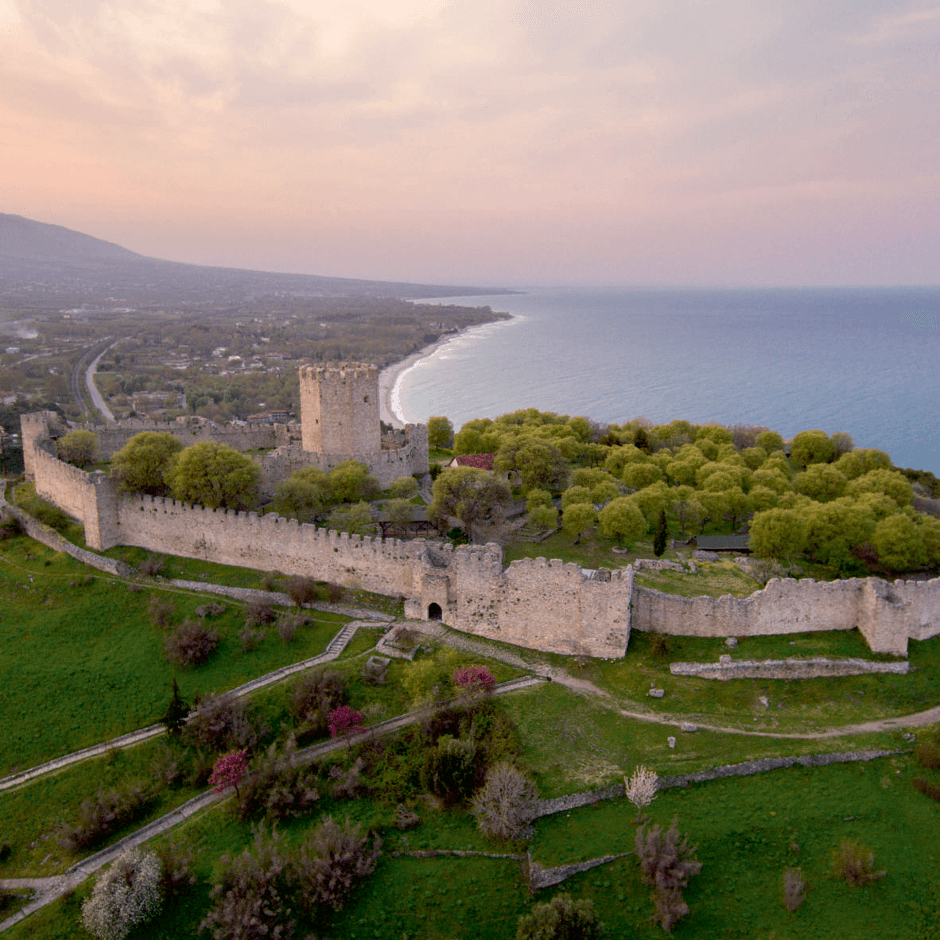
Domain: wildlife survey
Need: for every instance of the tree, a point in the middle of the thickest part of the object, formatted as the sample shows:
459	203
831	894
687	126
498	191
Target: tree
506	803
345	722
350	481
821	482
78	448
440	432
842	443
811	447
622	518
543	517
473	679
141	464
356	518
660	535
470	494
403	488
638	476
126	894
214	475
778	533
578	520
229	770
641	787
899	544
563	917
769	441
888	482
539	463
303	495
177	710
667	865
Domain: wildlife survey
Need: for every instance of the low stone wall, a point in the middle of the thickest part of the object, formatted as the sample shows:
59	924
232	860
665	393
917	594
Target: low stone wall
729	669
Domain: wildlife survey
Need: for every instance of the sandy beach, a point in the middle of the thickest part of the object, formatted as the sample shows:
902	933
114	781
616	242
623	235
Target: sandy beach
389	376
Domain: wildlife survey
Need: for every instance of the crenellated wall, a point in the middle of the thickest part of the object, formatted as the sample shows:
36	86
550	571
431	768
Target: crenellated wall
546	605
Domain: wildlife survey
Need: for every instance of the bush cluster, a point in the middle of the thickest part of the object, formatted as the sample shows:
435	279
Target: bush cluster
266	890
190	644
126	894
103	815
667	864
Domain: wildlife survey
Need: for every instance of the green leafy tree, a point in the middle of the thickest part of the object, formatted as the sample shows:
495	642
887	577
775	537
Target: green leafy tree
539	463
141	465
350	481
303	495
638	476
214	475
78	448
174	718
578	519
355	518
899	543
440	432
621	519
537	497
576	495
778	533
769	441
821	482
404	488
858	462
888	482
543	517
811	447
470	494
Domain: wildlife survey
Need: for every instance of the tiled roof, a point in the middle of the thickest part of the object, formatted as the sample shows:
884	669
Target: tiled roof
483	461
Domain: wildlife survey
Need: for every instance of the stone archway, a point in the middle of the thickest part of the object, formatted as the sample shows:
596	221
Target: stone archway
434	611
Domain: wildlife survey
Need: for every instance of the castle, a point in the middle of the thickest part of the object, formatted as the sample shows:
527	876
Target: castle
545	605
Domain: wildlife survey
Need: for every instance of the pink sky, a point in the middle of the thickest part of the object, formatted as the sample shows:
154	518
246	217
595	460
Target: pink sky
751	142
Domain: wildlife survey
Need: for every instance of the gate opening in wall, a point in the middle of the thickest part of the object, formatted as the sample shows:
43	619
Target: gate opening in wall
434	611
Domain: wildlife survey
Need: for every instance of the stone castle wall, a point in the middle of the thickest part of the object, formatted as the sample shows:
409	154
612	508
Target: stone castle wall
886	614
340	408
546	605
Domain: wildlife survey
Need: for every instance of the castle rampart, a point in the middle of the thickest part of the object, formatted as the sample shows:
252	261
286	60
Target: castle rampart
547	605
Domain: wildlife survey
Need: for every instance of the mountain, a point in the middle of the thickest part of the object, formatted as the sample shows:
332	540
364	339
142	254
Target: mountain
39	261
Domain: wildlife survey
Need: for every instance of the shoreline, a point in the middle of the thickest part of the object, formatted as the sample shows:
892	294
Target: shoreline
390	376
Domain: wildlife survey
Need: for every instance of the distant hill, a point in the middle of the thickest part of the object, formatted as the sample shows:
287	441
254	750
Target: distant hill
39	261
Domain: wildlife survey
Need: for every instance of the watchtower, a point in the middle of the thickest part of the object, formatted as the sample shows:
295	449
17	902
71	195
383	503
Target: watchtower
340	409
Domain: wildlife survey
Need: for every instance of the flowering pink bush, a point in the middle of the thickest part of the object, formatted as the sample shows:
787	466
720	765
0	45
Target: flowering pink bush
345	721
229	770
473	679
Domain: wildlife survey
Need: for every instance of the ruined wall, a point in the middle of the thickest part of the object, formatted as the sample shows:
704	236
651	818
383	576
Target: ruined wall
887	615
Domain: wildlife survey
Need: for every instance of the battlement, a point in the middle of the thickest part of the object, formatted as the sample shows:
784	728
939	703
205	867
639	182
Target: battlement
340	373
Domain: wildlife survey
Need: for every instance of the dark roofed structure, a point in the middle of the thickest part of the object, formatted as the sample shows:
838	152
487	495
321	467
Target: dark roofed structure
731	543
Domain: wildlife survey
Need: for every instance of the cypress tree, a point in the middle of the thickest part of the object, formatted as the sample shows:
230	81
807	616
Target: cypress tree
660	536
177	711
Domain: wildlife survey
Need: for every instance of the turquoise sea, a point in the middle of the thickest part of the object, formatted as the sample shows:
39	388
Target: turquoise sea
859	360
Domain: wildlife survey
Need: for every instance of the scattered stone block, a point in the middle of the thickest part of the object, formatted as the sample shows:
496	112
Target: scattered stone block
731	642
689	727
656	693
671	741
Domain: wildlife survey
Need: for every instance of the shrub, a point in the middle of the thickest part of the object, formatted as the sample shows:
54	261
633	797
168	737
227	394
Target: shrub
347	782
926	787
174	718
176	861
667	865
165	769
794	889
229	770
126	894
332	860
404	818
473	679
104	814
221	723
854	863
153	565
251	637
344	721
314	697
450	768
563	917
253	893
259	611
161	611
300	590
277	787
190	644
927	754
506	804
288	625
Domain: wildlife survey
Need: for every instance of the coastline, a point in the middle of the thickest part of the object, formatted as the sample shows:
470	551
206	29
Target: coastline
389	378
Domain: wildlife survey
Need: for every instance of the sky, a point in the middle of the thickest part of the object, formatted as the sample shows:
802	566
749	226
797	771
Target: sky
487	142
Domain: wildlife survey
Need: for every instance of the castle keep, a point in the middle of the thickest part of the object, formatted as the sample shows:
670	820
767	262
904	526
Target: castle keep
546	605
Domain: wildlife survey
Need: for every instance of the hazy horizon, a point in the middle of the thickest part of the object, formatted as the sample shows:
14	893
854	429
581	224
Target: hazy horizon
782	143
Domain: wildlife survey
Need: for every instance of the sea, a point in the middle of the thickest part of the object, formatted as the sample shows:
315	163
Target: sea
859	360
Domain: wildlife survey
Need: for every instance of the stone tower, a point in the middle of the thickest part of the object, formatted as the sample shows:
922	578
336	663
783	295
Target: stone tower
340	409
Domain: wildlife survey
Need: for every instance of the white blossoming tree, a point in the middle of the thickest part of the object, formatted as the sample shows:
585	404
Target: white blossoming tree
641	787
126	894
